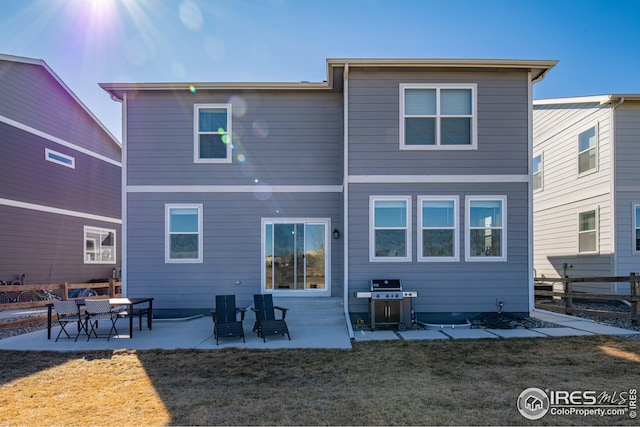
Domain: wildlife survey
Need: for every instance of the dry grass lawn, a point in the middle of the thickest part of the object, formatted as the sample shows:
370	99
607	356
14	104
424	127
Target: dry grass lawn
377	383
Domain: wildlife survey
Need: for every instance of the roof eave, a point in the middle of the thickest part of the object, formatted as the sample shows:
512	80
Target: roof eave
118	89
537	67
589	99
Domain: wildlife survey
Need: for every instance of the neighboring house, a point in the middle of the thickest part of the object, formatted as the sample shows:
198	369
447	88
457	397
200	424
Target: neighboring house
60	175
412	169
586	193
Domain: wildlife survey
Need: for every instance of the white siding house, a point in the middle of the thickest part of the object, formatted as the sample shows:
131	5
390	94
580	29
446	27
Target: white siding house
586	197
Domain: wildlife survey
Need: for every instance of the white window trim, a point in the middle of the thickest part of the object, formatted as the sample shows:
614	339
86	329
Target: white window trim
196	134
263	269
503	237
634	207
372	229
167	234
456	230
597	230
84	244
438	86
541	173
597	148
48	153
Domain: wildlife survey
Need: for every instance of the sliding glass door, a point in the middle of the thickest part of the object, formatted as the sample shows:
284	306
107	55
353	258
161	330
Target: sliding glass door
295	255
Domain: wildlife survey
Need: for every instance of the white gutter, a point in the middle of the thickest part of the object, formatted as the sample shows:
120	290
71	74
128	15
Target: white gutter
612	190
345	200
530	194
124	195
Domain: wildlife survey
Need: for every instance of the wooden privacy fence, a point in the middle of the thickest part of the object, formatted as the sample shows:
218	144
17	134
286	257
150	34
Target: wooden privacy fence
568	295
109	289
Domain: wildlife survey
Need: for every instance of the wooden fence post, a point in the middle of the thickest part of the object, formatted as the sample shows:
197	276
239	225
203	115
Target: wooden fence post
635	304
568	301
65	291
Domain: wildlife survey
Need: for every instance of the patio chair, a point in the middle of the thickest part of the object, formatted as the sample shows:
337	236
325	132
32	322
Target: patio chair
266	322
225	318
69	312
100	309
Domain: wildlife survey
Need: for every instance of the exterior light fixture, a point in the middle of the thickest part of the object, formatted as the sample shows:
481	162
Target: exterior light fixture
336	233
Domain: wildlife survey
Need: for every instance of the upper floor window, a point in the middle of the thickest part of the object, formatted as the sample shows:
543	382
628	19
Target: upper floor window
439	233
99	245
183	239
537	172
212	131
486	234
390	228
588	150
588	231
441	116
59	158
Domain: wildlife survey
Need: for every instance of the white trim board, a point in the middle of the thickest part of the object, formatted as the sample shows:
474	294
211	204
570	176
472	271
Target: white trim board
434	179
258	188
58	211
57	140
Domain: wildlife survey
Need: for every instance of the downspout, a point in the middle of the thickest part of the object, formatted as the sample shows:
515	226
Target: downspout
530	190
123	237
345	199
613	200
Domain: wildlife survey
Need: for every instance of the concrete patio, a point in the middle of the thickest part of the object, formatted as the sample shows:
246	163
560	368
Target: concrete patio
312	324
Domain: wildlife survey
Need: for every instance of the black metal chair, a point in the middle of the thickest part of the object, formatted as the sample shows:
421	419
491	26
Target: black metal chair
266	322
225	318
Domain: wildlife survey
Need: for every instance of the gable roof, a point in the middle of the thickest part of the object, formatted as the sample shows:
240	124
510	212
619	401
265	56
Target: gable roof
538	68
45	66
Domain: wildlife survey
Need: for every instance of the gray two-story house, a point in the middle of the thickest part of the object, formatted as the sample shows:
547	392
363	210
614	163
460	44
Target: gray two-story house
60	181
586	193
411	169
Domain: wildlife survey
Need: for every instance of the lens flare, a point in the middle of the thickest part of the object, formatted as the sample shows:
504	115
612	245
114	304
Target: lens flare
192	88
239	105
191	16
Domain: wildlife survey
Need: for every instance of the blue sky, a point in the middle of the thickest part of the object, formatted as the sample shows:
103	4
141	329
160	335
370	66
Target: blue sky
89	41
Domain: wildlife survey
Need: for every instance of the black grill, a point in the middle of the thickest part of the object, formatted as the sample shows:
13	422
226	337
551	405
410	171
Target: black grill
389	305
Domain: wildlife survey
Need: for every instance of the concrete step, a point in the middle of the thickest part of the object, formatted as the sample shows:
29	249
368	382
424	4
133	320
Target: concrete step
312	311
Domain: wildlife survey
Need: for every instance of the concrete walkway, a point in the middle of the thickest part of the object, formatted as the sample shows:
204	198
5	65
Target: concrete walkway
311	325
567	326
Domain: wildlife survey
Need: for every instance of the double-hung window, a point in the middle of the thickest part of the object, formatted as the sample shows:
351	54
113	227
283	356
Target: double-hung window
588	150
438	116
439	231
212	131
99	245
390	228
537	172
588	231
183	239
486	233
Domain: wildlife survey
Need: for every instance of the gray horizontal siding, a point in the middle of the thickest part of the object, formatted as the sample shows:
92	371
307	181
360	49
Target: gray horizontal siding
31	96
502	112
627	150
92	187
48	247
449	286
285	138
232	245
